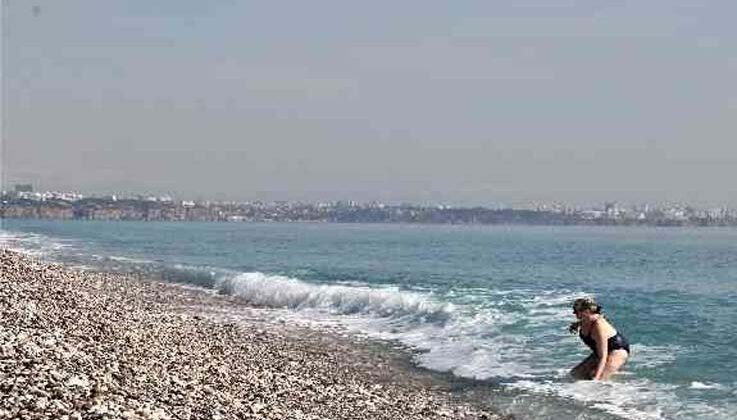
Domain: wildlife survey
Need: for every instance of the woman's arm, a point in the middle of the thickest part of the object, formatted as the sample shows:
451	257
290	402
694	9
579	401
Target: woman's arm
602	350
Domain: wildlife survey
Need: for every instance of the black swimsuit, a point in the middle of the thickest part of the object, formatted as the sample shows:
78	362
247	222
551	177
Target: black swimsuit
615	342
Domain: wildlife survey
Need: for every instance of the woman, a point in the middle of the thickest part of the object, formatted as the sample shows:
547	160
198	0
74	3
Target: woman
610	348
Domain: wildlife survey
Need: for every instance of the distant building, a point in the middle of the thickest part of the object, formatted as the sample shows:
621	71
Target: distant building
591	214
23	188
611	210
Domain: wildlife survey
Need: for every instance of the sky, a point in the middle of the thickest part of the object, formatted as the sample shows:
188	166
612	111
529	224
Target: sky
468	103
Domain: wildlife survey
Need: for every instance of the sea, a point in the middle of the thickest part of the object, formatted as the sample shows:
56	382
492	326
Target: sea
489	305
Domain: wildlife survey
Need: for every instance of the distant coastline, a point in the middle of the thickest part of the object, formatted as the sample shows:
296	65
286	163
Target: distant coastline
148	209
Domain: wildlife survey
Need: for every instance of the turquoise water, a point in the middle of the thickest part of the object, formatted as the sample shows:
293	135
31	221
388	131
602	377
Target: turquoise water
490	303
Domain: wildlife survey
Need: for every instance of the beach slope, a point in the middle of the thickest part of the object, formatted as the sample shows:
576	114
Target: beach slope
79	345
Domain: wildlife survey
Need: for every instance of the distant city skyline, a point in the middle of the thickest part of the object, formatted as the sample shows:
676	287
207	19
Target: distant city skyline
28	192
467	104
23	203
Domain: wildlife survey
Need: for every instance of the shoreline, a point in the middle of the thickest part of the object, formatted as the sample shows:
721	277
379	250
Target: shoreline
79	345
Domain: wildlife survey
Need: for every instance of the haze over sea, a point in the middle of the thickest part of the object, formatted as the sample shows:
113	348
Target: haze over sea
489	303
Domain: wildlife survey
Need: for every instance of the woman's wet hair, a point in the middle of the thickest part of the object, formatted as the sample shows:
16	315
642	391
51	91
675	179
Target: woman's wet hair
583	304
586	303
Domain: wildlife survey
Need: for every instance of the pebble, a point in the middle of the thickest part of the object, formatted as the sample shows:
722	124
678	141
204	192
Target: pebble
83	345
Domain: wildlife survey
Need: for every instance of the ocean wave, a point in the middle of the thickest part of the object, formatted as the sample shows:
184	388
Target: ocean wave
200	276
501	343
126	259
483	342
32	244
704	385
515	338
649	357
637	399
284	292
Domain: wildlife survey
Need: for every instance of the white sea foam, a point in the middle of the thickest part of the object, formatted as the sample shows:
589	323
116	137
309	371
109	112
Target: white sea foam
496	343
11	241
31	244
637	399
284	292
705	385
472	342
127	259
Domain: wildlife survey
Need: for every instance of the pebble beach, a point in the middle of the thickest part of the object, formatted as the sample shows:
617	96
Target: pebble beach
89	345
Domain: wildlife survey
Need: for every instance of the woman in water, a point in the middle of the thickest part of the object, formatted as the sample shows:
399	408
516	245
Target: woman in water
609	348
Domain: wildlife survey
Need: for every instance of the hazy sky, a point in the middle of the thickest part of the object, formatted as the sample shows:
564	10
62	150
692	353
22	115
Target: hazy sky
474	102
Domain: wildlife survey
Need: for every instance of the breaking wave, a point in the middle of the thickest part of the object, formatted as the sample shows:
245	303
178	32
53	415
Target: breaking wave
284	292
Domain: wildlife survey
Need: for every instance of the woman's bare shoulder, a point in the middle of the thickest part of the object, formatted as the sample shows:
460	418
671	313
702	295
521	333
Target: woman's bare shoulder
603	326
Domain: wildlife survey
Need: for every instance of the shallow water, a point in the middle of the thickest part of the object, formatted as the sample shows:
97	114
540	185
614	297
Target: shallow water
489	303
